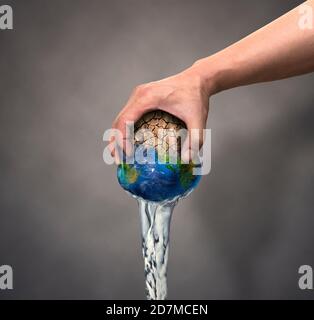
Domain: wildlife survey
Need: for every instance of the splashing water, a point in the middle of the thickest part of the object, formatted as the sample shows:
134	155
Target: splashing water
155	227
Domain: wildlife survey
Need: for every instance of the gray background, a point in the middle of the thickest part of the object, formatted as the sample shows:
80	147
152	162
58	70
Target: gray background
68	229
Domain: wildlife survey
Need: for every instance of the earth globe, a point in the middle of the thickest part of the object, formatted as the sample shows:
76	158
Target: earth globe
158	173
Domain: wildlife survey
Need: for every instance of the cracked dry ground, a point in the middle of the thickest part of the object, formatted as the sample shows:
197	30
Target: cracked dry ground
160	129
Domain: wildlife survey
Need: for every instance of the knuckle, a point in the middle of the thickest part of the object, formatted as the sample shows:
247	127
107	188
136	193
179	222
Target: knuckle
119	121
142	90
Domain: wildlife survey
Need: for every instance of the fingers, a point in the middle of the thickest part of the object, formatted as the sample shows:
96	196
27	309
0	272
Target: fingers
121	141
194	140
168	95
140	102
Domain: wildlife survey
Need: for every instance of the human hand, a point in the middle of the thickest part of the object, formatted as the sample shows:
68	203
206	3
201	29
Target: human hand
184	95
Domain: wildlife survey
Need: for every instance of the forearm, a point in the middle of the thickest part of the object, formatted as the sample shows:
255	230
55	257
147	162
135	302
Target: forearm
279	50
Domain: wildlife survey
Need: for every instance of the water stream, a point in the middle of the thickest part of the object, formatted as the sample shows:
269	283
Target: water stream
155	227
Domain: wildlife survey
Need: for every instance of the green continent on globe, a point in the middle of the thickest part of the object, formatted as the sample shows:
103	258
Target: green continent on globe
158	133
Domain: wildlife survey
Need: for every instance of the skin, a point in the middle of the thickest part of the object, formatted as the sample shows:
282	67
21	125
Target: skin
279	50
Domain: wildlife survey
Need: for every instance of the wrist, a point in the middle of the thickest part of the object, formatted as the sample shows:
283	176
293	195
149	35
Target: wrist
212	72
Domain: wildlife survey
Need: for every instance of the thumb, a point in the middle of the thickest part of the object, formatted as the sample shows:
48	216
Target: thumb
193	141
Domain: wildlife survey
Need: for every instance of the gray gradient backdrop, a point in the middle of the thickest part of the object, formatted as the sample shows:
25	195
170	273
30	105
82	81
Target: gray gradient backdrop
66	226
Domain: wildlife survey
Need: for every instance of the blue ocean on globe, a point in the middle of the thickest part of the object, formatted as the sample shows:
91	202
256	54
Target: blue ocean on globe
158	182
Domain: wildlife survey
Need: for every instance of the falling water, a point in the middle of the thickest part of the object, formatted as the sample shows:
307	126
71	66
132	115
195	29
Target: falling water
155	227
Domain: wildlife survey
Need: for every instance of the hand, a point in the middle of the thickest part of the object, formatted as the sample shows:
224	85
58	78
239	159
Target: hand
183	95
